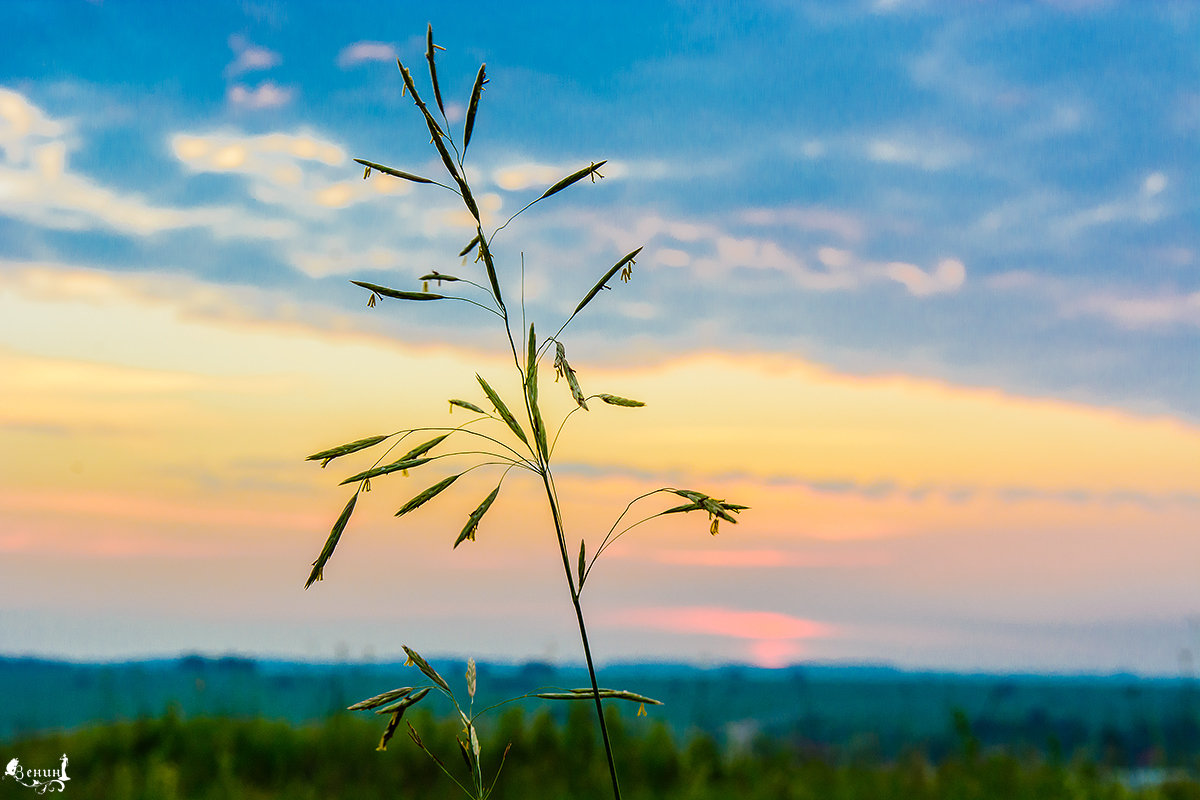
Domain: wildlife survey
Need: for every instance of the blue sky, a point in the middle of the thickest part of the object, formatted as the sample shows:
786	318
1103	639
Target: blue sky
1049	150
998	200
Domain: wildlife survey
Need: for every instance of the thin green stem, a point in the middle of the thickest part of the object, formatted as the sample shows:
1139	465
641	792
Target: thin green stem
552	497
474	303
561	425
520	459
570	413
510	219
610	537
628	506
587	650
443	768
609	540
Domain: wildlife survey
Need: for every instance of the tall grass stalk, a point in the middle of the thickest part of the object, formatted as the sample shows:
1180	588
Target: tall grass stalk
494	437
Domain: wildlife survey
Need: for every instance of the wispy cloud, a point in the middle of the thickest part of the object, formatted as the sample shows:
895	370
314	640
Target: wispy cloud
1158	310
827	268
843	224
362	52
1128	307
267	94
249	57
931	152
527	174
793	242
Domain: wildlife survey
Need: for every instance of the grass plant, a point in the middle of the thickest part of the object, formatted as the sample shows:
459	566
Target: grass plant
495	437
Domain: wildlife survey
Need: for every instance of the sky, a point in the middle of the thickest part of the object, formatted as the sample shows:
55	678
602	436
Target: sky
920	284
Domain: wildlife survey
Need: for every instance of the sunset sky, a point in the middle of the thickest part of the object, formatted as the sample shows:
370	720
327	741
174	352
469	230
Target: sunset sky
920	285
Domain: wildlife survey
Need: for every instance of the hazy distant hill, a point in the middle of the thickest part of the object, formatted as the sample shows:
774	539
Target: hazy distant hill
874	710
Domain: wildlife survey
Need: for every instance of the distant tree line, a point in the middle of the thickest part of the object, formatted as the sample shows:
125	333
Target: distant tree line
207	758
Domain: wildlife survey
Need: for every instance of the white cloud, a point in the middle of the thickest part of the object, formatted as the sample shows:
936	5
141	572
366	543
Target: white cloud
893	6
834	258
533	174
231	152
1144	207
812	148
1164	309
1123	306
713	251
249	57
1048	215
670	257
24	125
1154	184
38	186
948	276
524	175
304	176
932	152
361	52
299	171
840	269
811	218
265	95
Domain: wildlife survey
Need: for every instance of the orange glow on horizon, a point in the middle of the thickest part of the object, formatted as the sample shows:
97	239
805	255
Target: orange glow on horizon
715	621
775	639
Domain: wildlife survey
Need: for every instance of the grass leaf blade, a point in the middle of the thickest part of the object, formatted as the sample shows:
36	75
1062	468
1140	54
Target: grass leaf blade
502	410
437	90
468	406
422	449
574	177
381	699
438	276
531	394
398	712
423	665
470	246
563	368
472	526
331	542
490	266
435	131
396	173
613	400
345	449
397	293
427	495
605	694
607	276
582	564
531	354
387	469
473	106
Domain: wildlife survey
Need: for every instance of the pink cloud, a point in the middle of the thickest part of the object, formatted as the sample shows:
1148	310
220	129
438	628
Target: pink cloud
765	559
730	558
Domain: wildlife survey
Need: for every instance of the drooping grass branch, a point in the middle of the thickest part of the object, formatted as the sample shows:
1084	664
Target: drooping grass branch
511	442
